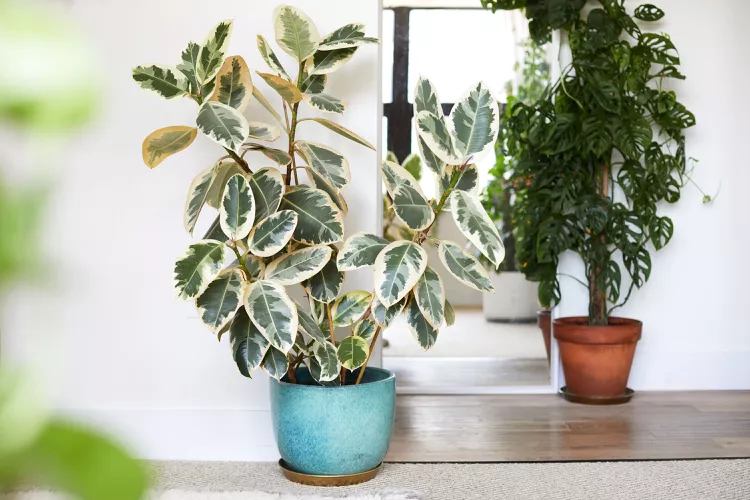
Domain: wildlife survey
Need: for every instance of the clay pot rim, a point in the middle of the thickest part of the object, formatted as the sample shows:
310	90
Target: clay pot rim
576	329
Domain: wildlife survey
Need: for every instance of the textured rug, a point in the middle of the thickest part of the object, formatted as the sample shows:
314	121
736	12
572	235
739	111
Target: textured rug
654	480
669	480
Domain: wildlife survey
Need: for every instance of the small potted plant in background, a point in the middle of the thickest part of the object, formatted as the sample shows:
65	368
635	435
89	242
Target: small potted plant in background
601	151
518	302
284	226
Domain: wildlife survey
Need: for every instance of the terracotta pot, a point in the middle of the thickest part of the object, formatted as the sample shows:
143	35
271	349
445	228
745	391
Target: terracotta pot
596	359
544	322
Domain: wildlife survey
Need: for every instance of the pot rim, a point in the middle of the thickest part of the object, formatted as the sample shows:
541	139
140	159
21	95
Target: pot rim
390	376
583	321
577	330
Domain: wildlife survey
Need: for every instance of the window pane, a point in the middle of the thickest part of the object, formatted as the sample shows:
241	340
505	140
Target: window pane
387	41
458	47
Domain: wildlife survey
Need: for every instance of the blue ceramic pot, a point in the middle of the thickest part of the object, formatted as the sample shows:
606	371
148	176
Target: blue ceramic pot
334	431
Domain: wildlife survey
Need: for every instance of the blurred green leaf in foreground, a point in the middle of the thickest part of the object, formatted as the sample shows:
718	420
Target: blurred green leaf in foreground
48	84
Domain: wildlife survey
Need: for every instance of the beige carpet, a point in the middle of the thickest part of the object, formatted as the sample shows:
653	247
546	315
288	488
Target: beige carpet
669	480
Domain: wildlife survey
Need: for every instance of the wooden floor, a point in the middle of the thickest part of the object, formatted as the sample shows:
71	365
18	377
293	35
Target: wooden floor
426	372
529	428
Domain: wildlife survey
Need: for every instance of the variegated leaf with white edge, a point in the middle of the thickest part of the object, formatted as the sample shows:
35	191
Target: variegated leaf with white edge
309	326
412	208
275	363
319	182
267	105
269	56
163	143
271	234
212	51
324	102
268	188
197	267
326	355
223	124
330	164
234	84
468	179
397	269
450	314
326	285
189	66
224	172
419	327
214	231
434	131
350	35
430	159
237	211
221	299
329	61
426	98
395	175
248	345
429	294
360	250
281	158
342	131
299	265
383	315
313	84
350	307
263	131
164	81
320	221
475	120
288	91
476	225
197	197
296	34
254	266
365	328
273	313
353	352
464	267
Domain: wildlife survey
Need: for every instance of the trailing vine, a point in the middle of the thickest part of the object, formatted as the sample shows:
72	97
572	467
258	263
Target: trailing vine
599	152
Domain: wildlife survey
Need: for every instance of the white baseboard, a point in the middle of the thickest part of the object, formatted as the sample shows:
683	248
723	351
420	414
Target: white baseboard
221	435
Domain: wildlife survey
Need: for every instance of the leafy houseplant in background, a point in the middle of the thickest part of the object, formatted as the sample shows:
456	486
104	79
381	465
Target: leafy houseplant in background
519	298
602	149
332	415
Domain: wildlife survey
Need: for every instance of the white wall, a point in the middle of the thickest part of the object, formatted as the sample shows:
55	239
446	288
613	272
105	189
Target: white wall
110	339
694	308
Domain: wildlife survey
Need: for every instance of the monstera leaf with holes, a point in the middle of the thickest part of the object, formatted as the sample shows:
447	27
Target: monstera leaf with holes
279	231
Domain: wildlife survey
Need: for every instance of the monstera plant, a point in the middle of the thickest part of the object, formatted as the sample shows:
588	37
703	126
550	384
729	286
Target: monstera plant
283	232
599	155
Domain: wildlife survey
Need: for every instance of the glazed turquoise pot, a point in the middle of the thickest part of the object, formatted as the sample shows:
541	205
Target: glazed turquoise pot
334	431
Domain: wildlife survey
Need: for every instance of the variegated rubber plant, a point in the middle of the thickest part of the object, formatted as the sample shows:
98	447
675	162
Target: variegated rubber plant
284	232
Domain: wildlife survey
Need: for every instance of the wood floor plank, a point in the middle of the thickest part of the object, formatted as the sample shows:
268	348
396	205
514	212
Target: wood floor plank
654	425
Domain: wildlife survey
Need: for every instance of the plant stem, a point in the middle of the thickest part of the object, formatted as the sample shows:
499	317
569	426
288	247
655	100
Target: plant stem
455	176
292	132
372	347
330	323
240	161
597	296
